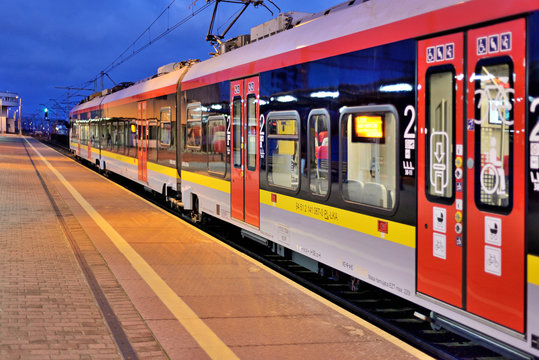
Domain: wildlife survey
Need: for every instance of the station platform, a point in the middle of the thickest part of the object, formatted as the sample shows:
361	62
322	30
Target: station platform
91	271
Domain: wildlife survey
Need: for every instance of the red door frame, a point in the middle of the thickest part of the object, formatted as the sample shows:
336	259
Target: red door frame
498	297
439	248
142	142
244	188
252	184
236	171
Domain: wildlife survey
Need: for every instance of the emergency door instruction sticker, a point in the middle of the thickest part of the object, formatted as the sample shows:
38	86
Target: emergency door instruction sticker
493	260
439	245
439	219
493	231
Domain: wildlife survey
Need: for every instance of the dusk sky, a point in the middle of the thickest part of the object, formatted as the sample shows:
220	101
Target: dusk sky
59	43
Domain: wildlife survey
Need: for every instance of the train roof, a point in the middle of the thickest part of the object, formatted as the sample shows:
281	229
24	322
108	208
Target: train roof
348	27
154	86
344	19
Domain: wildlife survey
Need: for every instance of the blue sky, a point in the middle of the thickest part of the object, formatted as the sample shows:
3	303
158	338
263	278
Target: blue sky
50	43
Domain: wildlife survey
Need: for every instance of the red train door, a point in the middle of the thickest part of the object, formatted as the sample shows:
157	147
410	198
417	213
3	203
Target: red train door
440	168
496	173
142	141
244	190
472	197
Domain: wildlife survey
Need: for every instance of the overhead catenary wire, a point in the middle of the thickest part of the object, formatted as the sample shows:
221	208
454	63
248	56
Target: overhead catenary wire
126	54
135	50
132	50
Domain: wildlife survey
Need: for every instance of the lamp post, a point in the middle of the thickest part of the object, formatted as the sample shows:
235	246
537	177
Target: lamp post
1	117
20	116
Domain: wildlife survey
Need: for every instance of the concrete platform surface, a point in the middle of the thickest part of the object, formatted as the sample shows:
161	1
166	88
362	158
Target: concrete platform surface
171	291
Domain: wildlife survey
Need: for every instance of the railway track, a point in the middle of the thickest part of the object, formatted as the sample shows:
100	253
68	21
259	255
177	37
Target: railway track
387	311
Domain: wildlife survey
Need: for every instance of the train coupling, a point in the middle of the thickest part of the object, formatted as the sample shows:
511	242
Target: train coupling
175	204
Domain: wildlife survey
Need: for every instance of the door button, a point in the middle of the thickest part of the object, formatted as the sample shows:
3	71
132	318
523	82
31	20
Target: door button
470	163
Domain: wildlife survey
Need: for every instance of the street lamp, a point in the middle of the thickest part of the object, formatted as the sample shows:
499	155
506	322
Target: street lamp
20	116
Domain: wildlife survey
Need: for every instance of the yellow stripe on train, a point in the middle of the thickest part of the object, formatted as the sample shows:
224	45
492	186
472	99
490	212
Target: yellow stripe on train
165	170
533	269
396	232
119	157
209	181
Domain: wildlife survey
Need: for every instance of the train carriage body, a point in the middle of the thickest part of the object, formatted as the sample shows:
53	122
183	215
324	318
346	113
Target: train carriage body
396	143
132	131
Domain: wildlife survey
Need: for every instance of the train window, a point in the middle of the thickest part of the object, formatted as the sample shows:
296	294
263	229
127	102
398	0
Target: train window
494	134
236	131
252	143
108	135
152	140
440	138
194	127
114	133
131	141
217	144
167	146
83	133
369	155
165	132
121	137
75	130
165	127
102	131
283	149
94	133
319	148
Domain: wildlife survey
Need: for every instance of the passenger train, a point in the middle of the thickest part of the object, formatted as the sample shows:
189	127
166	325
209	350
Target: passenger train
396	142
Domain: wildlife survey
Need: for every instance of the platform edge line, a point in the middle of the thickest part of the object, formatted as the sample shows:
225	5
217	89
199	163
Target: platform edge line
201	333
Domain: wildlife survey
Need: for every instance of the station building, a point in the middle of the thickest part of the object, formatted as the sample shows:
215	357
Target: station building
8	100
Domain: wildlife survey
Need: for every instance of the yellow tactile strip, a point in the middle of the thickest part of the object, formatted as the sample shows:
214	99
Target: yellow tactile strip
203	335
318	343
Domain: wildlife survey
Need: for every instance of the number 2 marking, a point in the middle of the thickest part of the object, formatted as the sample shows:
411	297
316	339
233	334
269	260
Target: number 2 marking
534	135
408	133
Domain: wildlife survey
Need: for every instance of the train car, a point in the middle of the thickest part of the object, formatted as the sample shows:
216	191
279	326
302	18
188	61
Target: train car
131	130
397	143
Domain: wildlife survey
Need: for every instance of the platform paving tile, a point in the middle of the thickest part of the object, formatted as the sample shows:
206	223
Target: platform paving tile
256	314
47	310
